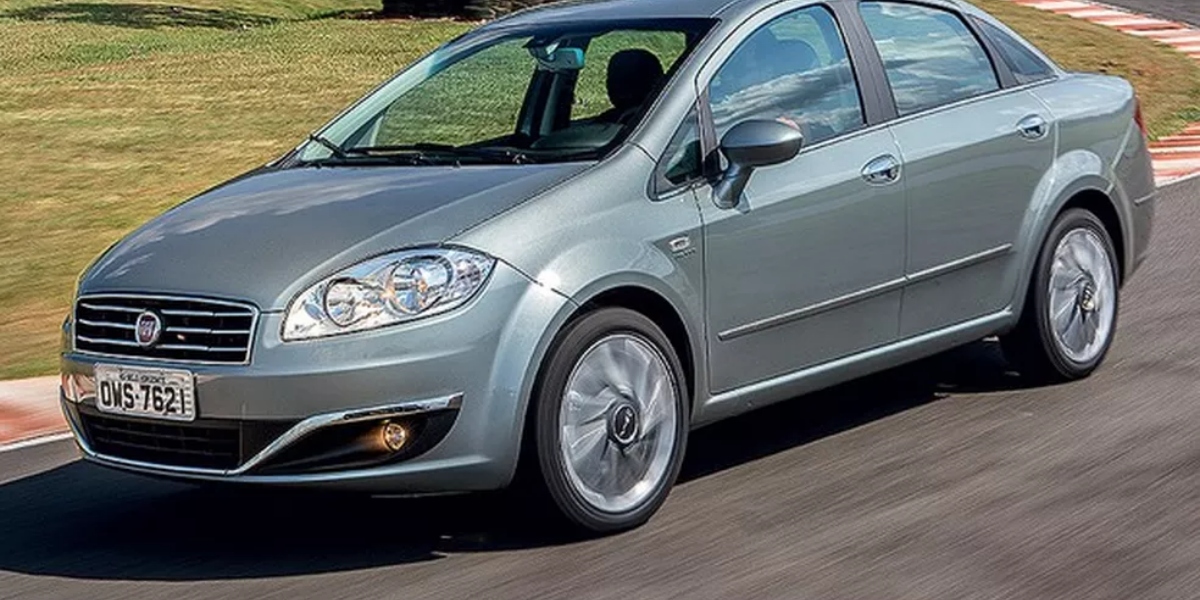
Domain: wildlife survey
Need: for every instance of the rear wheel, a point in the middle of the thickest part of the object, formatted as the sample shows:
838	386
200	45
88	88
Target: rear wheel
1070	315
612	420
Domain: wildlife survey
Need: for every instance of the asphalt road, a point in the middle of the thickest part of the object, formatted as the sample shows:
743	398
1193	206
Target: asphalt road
945	479
1187	11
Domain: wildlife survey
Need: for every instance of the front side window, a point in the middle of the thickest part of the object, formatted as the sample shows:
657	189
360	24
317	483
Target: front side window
930	56
794	69
683	160
545	94
1026	66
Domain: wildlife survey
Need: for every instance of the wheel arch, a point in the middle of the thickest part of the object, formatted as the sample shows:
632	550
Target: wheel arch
1091	193
658	309
632	291
1100	204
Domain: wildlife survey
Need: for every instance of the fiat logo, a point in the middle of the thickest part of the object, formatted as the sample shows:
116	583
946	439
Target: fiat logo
149	328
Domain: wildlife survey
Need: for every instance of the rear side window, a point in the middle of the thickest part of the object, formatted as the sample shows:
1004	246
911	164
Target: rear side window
1026	66
930	56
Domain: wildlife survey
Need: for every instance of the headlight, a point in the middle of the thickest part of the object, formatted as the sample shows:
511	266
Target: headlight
386	290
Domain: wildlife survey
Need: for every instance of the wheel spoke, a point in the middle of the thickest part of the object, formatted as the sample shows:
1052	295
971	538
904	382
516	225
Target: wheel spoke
653	409
1060	304
1081	333
585	440
1091	326
1079	255
583	409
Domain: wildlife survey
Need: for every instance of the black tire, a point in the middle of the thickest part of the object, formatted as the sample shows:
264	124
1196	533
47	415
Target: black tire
555	481
1031	347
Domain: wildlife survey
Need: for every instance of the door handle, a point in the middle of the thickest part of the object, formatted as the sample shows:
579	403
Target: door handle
1033	127
882	170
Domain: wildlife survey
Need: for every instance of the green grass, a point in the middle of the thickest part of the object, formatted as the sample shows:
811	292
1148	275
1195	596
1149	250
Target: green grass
112	112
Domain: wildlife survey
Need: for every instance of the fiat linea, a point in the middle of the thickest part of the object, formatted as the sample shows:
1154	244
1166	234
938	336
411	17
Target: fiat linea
561	241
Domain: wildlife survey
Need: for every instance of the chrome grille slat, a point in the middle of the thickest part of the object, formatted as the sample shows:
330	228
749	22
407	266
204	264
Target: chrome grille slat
195	330
125	326
200	313
208	331
106	308
108	342
191	348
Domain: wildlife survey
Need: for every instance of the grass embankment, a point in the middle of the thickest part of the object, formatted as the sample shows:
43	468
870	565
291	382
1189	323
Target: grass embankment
112	112
1167	81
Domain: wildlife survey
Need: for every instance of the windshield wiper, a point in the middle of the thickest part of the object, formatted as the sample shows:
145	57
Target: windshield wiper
324	141
423	149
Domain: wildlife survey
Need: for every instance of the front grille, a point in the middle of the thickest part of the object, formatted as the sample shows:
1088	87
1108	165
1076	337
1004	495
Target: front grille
206	444
193	330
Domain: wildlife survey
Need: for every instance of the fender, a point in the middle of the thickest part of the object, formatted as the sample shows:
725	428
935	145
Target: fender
676	290
568	307
1073	173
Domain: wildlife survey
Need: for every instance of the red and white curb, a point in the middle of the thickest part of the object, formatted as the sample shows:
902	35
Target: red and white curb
1177	156
29	413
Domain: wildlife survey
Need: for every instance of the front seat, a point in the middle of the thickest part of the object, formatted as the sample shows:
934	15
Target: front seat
632	76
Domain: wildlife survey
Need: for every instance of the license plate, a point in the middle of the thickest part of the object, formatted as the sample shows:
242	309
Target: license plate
150	393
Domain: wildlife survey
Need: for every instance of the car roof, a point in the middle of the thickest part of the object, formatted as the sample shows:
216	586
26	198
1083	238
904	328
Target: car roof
603	10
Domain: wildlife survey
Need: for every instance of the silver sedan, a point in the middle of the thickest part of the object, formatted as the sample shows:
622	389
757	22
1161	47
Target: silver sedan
550	248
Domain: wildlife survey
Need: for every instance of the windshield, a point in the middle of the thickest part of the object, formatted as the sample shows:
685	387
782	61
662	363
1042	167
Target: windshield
545	94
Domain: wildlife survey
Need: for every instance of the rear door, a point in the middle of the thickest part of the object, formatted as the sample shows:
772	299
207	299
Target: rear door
974	151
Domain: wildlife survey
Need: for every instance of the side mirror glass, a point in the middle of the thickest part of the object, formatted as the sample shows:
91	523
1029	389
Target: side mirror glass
751	145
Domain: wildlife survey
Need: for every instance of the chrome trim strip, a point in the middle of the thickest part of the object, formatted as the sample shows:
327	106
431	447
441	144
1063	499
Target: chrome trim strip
838	363
87	301
811	310
194	348
229	303
201	330
109	308
1144	199
91	323
174	312
106	342
291	436
962	263
864	294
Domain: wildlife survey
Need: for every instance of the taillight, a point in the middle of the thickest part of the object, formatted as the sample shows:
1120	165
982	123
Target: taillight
1137	117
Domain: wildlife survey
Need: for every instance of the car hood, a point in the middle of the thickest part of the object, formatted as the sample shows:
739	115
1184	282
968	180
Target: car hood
265	236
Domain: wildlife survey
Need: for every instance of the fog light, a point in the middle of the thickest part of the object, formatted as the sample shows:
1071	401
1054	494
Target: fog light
394	436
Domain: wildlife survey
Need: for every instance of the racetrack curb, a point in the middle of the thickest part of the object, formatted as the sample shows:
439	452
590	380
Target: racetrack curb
29	410
1177	156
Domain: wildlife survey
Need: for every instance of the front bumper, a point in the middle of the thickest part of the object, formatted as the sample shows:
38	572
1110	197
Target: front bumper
475	364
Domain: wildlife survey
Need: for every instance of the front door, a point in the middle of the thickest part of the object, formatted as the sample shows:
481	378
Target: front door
809	266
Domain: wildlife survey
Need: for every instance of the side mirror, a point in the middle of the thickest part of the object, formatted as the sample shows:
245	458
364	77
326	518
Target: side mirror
748	146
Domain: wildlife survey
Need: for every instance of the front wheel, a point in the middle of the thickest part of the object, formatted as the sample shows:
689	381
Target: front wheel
612	420
1070	315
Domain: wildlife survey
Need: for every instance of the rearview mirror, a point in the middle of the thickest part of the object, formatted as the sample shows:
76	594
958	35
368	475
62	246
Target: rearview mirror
751	145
